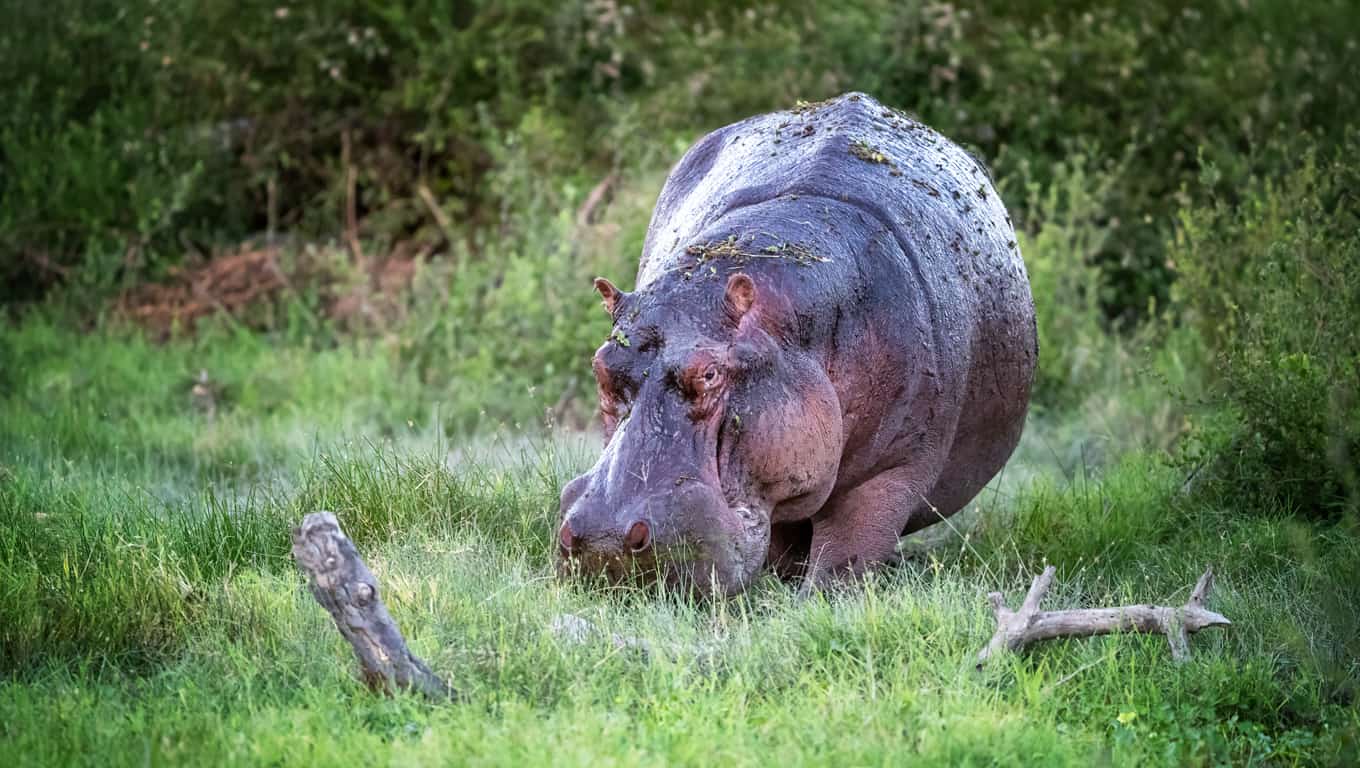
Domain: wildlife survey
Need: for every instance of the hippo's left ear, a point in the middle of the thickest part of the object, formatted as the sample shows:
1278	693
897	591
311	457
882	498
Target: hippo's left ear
611	295
741	295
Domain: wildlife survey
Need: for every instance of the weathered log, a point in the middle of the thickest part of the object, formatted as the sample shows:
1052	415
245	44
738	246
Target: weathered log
1016	629
346	588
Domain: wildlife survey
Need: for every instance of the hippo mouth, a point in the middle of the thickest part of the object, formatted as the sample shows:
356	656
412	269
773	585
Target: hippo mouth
725	565
682	567
695	543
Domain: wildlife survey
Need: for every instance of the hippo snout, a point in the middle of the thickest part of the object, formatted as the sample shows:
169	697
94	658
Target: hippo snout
598	536
637	539
672	534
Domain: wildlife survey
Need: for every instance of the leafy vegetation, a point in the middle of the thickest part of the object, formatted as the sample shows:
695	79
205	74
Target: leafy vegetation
138	128
1273	281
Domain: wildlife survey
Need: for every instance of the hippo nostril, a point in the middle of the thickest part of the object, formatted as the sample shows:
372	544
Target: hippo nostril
638	536
566	537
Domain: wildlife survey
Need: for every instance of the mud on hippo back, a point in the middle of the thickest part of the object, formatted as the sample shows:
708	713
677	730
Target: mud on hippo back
831	344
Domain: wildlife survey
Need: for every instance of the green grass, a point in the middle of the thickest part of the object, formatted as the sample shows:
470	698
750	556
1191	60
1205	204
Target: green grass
149	611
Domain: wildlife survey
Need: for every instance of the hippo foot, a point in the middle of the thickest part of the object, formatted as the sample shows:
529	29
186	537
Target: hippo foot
846	578
859	529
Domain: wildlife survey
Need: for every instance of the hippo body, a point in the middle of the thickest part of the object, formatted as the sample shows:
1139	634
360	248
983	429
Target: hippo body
831	344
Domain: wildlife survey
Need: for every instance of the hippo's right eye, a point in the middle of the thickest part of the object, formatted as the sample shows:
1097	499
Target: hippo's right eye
701	382
711	378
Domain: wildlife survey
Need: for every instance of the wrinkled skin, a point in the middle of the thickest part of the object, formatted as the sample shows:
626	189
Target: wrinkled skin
831	344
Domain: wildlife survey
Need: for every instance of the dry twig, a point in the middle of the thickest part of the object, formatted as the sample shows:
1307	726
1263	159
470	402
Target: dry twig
1016	629
598	195
352	205
441	219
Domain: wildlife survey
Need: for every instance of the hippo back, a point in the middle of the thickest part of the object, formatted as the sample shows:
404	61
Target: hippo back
851	148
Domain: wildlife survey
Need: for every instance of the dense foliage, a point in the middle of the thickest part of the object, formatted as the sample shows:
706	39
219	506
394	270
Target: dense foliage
136	132
1272	280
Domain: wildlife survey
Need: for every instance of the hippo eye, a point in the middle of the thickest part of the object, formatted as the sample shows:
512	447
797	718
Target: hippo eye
698	381
712	376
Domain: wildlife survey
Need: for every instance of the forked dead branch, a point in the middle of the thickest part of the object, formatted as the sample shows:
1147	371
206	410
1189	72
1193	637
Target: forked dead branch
1017	629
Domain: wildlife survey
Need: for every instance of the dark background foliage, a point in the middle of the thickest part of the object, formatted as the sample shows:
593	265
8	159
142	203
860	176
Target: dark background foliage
141	135
136	132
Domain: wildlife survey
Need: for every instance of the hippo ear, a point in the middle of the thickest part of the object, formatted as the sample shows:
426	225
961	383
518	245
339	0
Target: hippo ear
611	295
741	294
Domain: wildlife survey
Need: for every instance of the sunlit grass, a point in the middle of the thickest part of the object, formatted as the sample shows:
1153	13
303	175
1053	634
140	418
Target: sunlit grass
149	609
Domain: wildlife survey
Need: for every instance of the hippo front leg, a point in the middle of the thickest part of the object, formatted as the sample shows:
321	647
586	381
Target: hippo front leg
858	529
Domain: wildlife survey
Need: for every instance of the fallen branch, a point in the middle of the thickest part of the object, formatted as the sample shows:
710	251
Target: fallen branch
1016	629
345	587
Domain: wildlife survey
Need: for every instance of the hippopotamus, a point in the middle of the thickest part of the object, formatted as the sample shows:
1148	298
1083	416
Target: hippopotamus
830	344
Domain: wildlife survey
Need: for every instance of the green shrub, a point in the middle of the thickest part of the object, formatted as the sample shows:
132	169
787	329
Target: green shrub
1273	283
103	178
136	132
505	335
1061	236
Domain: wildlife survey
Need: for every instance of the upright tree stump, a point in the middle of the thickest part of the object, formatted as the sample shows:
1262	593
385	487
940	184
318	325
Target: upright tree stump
345	587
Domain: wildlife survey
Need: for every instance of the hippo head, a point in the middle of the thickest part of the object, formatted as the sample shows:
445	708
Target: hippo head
712	422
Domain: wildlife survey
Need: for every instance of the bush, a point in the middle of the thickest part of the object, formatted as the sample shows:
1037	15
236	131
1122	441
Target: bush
102	180
1273	284
1061	237
136	132
505	334
1037	82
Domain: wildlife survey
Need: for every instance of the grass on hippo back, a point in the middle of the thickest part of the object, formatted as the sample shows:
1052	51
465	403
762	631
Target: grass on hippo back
137	622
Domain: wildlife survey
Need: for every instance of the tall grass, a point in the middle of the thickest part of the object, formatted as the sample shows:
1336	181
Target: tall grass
132	633
150	611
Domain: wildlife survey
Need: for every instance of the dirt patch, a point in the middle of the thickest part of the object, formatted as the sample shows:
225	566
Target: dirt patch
868	153
801	107
741	251
227	284
237	284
